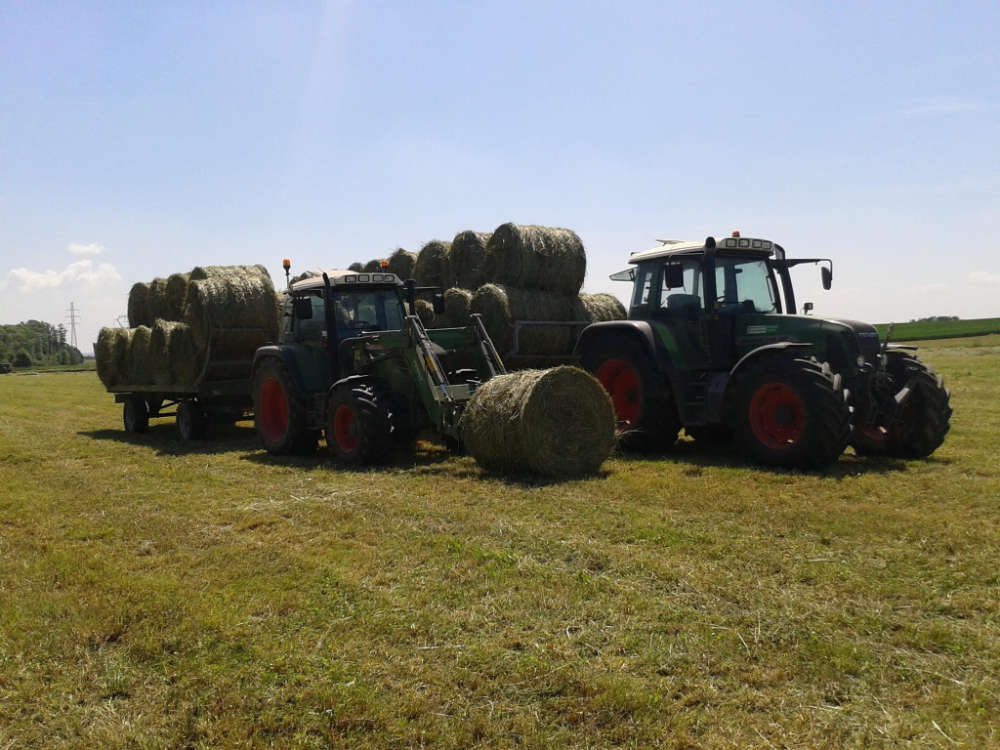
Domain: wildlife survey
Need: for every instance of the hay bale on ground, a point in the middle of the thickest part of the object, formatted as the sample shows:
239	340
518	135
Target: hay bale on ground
533	257
433	266
402	263
373	266
456	306
238	301
468	259
111	351
425	311
500	306
557	423
138	366
138	305
173	356
200	273
356	267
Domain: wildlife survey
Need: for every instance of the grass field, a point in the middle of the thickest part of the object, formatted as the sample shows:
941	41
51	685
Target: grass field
949	329
154	594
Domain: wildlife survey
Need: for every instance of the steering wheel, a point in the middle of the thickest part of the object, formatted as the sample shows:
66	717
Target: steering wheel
360	324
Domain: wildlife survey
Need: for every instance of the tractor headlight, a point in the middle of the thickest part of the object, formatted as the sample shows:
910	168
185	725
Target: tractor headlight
861	360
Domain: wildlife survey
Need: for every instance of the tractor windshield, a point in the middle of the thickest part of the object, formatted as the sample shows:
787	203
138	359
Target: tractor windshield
375	310
745	282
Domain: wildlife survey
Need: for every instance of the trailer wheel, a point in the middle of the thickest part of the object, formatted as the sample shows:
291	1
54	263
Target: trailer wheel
135	415
359	428
280	413
191	420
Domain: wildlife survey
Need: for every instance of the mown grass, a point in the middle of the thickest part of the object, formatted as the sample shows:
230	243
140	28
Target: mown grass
154	594
945	329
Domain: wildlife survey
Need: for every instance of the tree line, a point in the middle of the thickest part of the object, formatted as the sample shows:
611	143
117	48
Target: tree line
35	343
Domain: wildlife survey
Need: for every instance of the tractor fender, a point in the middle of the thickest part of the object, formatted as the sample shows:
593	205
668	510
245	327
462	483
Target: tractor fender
348	382
766	349
637	330
273	351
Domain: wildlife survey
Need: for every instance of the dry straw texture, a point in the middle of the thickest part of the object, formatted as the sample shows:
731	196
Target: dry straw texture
402	263
425	311
177	284
200	273
111	352
158	304
456	306
535	257
173	356
468	259
239	300
138	304
433	267
356	267
373	266
557	423
138	368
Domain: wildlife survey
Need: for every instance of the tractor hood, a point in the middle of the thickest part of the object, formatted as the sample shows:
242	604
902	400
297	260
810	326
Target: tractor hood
867	334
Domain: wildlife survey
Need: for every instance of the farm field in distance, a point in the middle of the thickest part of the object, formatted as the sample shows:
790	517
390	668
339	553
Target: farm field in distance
940	329
159	594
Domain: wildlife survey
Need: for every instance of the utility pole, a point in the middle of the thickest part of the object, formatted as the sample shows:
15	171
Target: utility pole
72	324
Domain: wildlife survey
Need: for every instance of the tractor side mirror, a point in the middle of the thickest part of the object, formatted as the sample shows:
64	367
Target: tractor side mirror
302	308
826	274
673	276
807	308
437	300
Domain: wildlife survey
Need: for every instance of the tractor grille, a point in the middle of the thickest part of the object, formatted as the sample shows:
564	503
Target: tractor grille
869	344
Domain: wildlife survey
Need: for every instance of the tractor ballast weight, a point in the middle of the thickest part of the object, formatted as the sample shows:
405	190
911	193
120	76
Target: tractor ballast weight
713	344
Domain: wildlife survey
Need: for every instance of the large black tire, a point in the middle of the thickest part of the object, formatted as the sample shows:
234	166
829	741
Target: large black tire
710	434
926	416
191	421
135	415
280	412
645	412
360	427
791	412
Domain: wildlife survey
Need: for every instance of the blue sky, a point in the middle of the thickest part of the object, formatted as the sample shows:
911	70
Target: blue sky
141	139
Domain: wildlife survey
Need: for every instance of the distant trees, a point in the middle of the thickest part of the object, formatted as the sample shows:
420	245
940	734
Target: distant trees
34	343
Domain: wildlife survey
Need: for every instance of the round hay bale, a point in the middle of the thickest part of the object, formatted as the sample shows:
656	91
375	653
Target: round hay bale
173	356
159	303
500	306
109	353
200	273
138	367
177	284
557	423
425	311
534	257
240	300
468	259
138	305
373	266
433	267
595	308
309	274
356	267
456	306
401	263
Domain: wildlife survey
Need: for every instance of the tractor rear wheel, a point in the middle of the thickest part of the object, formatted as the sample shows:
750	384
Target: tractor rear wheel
925	418
359	427
644	406
135	414
788	411
280	413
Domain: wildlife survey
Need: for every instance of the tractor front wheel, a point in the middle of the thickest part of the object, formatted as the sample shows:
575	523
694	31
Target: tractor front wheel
359	427
787	411
280	414
644	406
924	421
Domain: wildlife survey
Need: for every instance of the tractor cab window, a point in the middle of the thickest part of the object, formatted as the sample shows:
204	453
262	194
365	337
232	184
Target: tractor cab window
680	284
376	310
744	284
311	328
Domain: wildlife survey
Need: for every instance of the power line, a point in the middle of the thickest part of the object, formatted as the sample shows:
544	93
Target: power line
72	324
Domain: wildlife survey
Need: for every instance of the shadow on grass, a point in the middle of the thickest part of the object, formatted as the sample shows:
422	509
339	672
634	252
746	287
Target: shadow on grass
164	440
702	455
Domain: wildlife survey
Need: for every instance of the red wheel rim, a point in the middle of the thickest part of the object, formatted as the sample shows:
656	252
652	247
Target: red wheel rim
777	416
345	429
621	382
272	410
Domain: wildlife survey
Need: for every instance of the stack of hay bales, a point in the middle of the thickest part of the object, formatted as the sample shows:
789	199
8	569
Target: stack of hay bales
223	313
557	423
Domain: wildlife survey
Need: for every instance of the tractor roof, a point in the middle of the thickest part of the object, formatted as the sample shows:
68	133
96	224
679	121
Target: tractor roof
727	245
344	279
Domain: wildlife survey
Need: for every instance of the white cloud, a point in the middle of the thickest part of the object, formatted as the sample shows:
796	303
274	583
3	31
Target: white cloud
940	105
80	272
930	288
78	248
984	277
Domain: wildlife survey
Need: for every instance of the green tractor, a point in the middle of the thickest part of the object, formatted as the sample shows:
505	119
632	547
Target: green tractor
352	363
713	344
